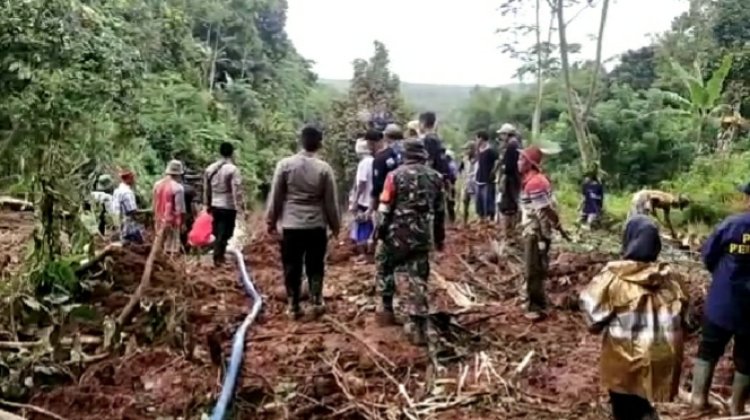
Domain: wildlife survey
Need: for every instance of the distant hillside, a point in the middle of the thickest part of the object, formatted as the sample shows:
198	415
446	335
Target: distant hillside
443	99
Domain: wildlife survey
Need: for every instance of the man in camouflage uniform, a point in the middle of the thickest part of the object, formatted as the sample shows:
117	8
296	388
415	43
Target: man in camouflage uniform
410	217
539	220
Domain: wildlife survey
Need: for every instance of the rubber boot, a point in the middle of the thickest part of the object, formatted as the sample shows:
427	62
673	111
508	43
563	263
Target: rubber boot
294	311
703	373
740	392
386	317
416	330
316	296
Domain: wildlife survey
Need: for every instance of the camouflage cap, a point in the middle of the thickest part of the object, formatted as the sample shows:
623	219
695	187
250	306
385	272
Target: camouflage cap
104	182
414	149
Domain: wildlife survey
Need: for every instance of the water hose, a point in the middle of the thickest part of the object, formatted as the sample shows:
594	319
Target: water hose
238	342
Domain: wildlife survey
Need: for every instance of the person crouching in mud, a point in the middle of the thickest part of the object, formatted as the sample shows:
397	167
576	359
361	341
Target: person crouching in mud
639	304
411	216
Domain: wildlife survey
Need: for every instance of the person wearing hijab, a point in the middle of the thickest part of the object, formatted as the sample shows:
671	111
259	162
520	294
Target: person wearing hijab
726	255
639	305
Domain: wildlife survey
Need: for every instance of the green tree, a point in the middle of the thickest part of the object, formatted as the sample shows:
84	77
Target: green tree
373	89
703	101
65	76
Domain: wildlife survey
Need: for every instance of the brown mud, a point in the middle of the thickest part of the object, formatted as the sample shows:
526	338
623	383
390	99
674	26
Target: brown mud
345	365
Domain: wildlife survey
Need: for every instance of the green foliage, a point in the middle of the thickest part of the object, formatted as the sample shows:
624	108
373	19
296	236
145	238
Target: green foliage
94	86
637	69
373	89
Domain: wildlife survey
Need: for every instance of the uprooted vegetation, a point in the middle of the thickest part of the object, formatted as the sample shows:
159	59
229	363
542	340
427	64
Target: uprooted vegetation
169	359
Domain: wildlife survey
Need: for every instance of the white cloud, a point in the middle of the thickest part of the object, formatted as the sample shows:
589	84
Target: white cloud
449	41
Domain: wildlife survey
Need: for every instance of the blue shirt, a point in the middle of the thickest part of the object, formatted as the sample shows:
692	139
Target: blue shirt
726	255
593	197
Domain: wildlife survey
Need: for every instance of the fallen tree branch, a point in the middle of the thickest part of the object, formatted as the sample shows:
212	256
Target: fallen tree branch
87	264
339	378
135	299
15	204
29	407
525	362
344	329
66	341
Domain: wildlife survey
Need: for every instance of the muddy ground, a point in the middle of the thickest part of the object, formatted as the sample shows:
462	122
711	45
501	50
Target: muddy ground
495	364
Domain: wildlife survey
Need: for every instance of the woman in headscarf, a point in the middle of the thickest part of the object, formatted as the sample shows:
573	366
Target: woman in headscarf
639	304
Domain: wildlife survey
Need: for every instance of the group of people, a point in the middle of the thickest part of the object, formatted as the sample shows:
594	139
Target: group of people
483	169
397	204
641	306
400	202
176	203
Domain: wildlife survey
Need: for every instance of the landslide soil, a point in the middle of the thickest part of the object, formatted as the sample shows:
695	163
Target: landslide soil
327	368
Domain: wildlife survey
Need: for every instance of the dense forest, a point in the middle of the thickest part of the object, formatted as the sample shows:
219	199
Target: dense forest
93	87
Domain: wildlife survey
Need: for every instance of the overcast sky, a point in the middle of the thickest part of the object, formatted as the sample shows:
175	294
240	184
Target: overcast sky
449	41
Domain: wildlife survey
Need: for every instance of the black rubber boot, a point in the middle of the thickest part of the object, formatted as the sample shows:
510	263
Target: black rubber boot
315	285
386	317
293	309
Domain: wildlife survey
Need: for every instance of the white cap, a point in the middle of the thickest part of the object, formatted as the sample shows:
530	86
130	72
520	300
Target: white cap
361	148
506	129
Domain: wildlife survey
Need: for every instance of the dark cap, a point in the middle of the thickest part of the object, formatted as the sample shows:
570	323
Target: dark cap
414	149
744	188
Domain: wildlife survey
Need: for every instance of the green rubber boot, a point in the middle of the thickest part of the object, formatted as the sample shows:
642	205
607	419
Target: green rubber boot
740	392
703	374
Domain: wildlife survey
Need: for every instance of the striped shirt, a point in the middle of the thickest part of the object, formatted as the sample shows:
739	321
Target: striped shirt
535	198
123	205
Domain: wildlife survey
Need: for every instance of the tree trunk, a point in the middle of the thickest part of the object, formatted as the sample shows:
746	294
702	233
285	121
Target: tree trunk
584	145
537	118
597	63
214	58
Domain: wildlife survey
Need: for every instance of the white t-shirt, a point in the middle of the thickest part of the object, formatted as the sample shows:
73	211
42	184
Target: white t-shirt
364	174
104	199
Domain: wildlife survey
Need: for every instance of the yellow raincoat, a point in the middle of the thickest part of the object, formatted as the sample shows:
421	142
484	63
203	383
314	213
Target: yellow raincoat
639	306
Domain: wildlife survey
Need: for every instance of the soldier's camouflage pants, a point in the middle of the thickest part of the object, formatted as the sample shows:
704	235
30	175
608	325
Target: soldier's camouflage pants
417	269
536	262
